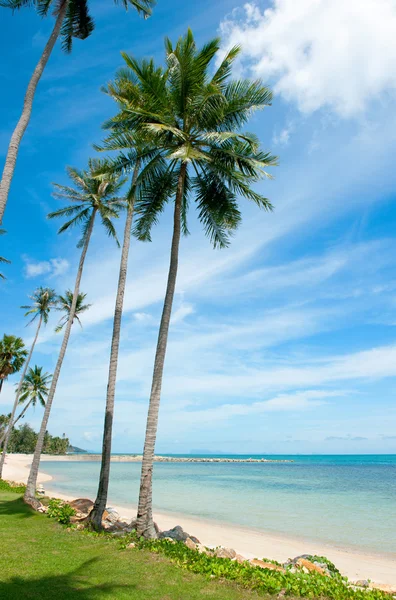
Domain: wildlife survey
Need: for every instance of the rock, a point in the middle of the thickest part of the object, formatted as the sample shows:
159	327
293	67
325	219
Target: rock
225	553
190	544
310	567
201	548
82	505
112	515
168	539
282	593
239	558
361	583
176	534
194	539
131	545
40	490
384	587
255	562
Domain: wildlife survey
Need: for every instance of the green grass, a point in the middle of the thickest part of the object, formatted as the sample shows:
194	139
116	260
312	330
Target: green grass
41	560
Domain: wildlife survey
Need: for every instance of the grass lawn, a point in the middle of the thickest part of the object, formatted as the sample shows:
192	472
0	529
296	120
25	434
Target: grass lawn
41	560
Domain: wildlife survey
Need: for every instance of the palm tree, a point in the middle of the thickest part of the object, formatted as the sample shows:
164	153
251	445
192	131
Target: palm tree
12	356
64	304
195	121
34	389
72	20
138	157
2	259
43	300
91	196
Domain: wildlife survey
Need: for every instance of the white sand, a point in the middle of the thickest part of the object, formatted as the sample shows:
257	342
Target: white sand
248	542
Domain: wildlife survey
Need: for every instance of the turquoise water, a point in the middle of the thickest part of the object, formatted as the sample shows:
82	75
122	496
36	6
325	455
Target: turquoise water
346	500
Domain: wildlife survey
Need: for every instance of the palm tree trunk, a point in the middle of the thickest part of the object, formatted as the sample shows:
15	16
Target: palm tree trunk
24	119
101	497
18	393
29	496
145	524
20	416
1	384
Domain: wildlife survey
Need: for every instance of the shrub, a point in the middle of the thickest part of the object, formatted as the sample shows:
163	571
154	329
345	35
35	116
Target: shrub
11	486
61	511
300	584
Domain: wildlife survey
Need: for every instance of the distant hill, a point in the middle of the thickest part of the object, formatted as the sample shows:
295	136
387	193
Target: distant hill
76	450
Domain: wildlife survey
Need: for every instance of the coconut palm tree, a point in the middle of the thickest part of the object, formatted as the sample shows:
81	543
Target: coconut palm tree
43	301
2	259
34	390
72	20
64	304
12	356
195	120
92	196
138	157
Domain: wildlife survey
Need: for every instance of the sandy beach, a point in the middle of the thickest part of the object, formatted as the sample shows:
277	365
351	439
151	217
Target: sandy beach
248	542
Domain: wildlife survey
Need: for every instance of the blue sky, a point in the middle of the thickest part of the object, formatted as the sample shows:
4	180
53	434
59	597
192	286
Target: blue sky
283	343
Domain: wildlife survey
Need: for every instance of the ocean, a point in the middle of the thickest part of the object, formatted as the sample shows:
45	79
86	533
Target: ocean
343	500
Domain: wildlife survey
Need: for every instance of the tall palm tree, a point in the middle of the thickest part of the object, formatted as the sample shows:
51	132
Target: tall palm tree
72	20
64	304
12	356
2	259
34	390
195	120
138	157
91	196
43	301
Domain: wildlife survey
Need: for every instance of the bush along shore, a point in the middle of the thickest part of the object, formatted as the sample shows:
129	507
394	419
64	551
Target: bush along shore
304	576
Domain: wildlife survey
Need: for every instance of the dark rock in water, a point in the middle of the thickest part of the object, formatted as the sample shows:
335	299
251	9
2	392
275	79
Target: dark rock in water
82	505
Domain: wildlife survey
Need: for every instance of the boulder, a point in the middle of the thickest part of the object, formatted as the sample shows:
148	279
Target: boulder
361	583
225	553
384	587
255	562
112	515
239	558
310	567
82	505
177	534
190	544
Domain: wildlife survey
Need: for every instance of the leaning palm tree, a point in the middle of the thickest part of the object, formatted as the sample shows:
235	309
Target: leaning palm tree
72	20
34	390
64	305
92	196
12	356
2	259
136	157
195	120
43	301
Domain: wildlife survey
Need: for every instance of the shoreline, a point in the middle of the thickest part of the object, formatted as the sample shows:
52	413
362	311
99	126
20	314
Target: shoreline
251	543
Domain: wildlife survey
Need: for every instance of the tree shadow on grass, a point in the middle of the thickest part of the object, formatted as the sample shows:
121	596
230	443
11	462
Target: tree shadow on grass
60	587
16	508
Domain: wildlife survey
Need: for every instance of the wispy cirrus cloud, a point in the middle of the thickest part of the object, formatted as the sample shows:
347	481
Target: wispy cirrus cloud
54	267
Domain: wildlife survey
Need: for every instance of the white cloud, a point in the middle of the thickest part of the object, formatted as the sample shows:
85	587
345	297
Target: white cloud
282	138
52	267
320	53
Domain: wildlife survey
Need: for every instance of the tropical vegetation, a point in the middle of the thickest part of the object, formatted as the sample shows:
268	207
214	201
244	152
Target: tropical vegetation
72	21
23	440
43	300
12	356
